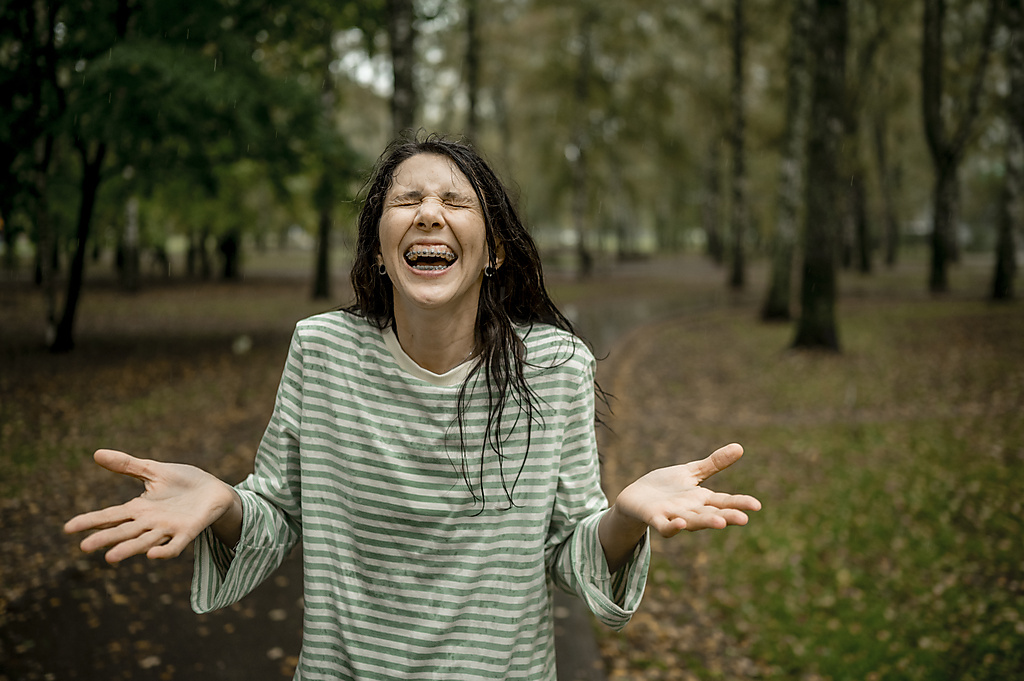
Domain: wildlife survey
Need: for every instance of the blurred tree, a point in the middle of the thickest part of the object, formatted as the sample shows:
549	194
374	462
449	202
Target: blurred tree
169	92
948	139
871	23
402	35
791	170
816	327
739	218
711	202
578	151
472	73
310	31
888	184
1011	213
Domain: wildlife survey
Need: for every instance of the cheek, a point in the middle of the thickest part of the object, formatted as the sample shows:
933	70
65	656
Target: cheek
388	238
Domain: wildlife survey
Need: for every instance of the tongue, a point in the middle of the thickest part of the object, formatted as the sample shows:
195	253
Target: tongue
429	263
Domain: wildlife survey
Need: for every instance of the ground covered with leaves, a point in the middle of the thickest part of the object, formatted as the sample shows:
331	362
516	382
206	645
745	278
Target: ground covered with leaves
891	476
889	546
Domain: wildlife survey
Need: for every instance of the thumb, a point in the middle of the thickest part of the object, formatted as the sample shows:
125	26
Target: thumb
720	459
123	464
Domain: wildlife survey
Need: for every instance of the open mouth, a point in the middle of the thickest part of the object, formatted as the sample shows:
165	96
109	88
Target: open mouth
430	258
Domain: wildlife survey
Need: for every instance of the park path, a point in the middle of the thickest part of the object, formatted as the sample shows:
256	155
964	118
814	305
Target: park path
93	621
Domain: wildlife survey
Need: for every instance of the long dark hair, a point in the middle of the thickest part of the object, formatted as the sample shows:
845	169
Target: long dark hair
513	295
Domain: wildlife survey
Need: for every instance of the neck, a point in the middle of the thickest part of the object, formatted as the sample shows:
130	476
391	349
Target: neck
438	343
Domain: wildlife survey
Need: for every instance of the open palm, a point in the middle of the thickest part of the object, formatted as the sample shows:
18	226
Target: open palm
671	499
179	502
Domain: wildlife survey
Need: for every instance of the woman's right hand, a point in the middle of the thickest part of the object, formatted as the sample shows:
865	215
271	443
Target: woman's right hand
180	501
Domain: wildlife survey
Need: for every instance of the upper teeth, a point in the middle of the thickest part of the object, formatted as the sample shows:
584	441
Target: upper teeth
430	252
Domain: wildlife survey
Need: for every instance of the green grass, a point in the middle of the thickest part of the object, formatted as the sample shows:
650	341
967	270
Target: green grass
890	545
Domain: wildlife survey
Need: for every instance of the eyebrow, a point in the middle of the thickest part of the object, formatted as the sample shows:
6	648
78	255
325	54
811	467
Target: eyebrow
415	195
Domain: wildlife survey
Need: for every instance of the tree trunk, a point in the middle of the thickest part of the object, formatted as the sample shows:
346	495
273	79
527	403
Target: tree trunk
472	68
92	166
862	238
325	195
816	327
47	241
947	149
888	181
1011	215
205	264
230	247
130	247
581	143
737	274
711	203
1010	218
777	302
322	276
944	201
402	34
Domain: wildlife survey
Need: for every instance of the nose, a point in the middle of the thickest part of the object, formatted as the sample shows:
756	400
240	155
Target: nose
430	214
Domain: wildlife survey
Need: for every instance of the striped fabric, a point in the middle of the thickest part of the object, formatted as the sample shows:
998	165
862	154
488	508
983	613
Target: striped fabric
407	575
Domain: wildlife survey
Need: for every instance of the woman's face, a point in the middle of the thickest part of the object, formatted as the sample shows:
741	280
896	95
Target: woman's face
433	239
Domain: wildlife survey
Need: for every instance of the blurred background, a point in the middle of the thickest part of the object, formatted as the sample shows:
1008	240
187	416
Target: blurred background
792	223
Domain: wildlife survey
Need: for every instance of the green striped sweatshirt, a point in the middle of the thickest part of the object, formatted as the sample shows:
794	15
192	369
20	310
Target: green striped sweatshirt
407	573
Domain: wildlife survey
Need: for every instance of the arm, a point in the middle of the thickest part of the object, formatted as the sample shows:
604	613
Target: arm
670	500
179	502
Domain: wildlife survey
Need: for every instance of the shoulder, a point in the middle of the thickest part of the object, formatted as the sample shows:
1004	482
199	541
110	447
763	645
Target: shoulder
549	348
334	331
334	323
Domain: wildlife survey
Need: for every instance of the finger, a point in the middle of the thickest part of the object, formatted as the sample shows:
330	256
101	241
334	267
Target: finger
743	502
669	527
123	464
112	536
138	546
715	519
719	460
171	549
98	520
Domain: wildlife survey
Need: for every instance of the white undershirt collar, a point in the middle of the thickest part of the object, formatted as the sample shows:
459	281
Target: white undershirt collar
453	377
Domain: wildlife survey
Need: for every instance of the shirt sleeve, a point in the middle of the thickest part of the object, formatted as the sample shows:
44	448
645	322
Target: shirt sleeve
576	558
271	507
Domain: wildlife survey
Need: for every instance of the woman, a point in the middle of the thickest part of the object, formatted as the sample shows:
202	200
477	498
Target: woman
433	448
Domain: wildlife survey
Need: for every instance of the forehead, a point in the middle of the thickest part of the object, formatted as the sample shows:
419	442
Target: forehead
429	173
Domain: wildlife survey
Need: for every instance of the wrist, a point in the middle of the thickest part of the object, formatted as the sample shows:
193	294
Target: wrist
625	525
619	534
228	524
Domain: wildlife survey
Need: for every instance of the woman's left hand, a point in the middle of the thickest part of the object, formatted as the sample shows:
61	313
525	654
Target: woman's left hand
671	499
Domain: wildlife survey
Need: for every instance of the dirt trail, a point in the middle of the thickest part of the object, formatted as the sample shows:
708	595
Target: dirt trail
64	615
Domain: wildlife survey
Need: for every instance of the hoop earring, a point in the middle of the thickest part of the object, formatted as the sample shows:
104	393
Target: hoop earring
381	270
489	271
